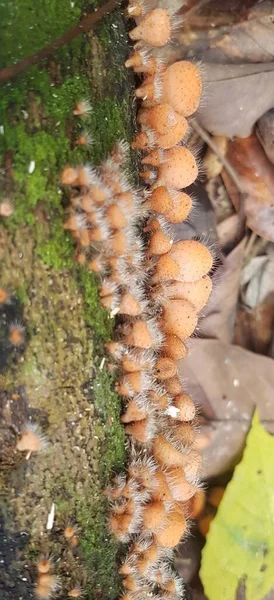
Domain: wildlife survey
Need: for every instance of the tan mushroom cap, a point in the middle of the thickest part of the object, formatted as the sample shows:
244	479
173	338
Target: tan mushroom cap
193	259
174	347
133	413
153	515
179	169
179	318
182	87
154	28
159	243
172	532
195	292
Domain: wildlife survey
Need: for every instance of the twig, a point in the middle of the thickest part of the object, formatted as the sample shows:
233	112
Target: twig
231	172
208	140
194	9
85	25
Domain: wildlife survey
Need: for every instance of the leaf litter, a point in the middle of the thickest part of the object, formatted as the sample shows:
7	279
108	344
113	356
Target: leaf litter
234	342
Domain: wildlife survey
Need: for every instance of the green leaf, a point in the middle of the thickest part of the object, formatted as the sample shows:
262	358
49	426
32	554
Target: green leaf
240	542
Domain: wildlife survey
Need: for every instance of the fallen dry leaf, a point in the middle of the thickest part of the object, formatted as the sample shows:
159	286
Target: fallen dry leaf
256	179
211	162
255	315
228	384
250	41
219	199
229	31
227	231
265	133
219	315
187	558
233	98
254	327
257	280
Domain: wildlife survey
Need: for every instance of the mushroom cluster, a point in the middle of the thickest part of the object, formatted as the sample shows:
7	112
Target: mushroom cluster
157	288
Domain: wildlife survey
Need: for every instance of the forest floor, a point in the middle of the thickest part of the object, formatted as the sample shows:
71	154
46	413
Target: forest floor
57	377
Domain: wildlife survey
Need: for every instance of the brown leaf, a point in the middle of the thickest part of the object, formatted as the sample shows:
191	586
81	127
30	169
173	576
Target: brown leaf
256	178
219	319
255	318
211	162
254	328
219	199
187	559
233	97
265	133
229	32
227	230
251	41
228	383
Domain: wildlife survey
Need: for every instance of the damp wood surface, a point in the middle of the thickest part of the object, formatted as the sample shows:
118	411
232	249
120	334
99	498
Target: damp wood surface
57	377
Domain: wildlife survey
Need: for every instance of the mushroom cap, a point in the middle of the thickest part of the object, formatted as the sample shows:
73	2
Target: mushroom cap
159	243
129	583
180	209
165	453
161	118
118	243
98	194
179	318
154	28
195	292
135	60
115	216
69	176
174	136
139	335
154	158
183	432
192	466
152	552
133	413
29	441
179	169
43	565
130	381
193	259
141	141
180	488
109	302
130	306
166	268
182	87
173	530
160	489
153	515
173	386
138	430
165	368
160	200
161	401
174	347
186	407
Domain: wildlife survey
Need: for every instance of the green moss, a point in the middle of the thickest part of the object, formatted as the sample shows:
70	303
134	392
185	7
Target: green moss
99	548
108	406
57	250
95	316
100	551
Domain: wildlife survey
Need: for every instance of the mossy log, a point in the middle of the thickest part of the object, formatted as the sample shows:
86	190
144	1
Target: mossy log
57	377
